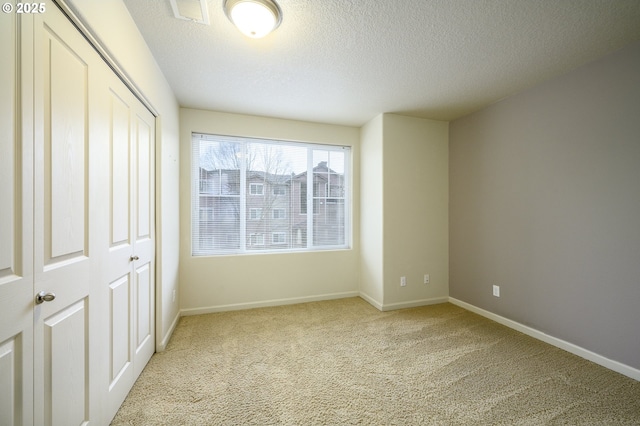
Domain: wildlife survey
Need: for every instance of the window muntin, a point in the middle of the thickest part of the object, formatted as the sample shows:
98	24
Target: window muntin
268	180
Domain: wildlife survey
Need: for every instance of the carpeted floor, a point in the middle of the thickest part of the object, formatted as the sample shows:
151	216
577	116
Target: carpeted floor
343	362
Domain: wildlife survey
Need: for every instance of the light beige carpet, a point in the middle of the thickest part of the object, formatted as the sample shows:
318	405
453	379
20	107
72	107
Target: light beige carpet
343	362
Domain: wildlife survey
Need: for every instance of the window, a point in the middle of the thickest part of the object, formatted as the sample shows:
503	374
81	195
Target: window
279	237
256	240
256	189
245	190
255	214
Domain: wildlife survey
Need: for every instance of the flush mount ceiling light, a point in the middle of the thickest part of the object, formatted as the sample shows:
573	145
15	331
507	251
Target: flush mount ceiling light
254	18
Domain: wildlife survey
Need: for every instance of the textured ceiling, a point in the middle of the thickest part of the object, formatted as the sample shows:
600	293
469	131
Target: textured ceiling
346	61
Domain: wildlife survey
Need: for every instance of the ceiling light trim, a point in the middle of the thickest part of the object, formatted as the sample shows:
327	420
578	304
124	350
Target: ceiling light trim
269	5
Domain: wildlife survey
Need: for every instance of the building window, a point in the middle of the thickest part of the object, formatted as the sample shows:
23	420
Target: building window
279	237
256	189
245	188
255	214
256	240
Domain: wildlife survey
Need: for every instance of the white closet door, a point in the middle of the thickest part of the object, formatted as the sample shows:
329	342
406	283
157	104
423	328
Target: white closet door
67	173
144	235
130	276
16	234
76	227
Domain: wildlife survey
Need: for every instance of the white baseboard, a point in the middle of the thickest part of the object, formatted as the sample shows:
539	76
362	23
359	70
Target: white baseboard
559	343
413	303
370	300
267	303
162	345
402	305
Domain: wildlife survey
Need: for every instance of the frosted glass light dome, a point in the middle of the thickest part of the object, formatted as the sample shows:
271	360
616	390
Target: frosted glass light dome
254	18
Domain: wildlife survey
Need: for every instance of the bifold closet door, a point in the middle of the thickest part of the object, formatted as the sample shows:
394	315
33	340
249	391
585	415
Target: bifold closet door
97	229
77	242
16	232
130	276
68	224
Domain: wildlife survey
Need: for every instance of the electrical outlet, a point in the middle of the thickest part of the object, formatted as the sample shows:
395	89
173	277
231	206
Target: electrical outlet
426	278
173	297
496	290
403	281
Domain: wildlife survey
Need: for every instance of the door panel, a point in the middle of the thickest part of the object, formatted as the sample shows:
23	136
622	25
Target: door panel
143	311
120	170
16	230
120	352
8	169
144	244
131	252
10	383
119	275
145	179
66	99
66	174
66	361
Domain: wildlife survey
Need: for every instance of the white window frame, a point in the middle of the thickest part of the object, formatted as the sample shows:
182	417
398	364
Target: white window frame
279	216
246	234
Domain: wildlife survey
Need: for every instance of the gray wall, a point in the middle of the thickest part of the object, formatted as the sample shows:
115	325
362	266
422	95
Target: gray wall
545	203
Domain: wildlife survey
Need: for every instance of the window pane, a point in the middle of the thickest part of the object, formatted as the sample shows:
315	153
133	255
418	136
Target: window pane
221	231
329	224
328	198
218	203
220	155
320	156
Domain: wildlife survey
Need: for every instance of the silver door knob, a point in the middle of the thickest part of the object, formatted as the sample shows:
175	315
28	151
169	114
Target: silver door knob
133	257
44	297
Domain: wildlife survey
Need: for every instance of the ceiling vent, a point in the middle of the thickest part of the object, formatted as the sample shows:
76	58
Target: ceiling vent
191	10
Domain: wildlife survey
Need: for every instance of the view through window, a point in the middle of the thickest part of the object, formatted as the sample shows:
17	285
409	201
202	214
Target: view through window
251	195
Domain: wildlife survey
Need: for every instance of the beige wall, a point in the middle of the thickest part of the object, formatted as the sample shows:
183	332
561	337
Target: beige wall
404	203
416	194
545	203
216	283
371	196
113	27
